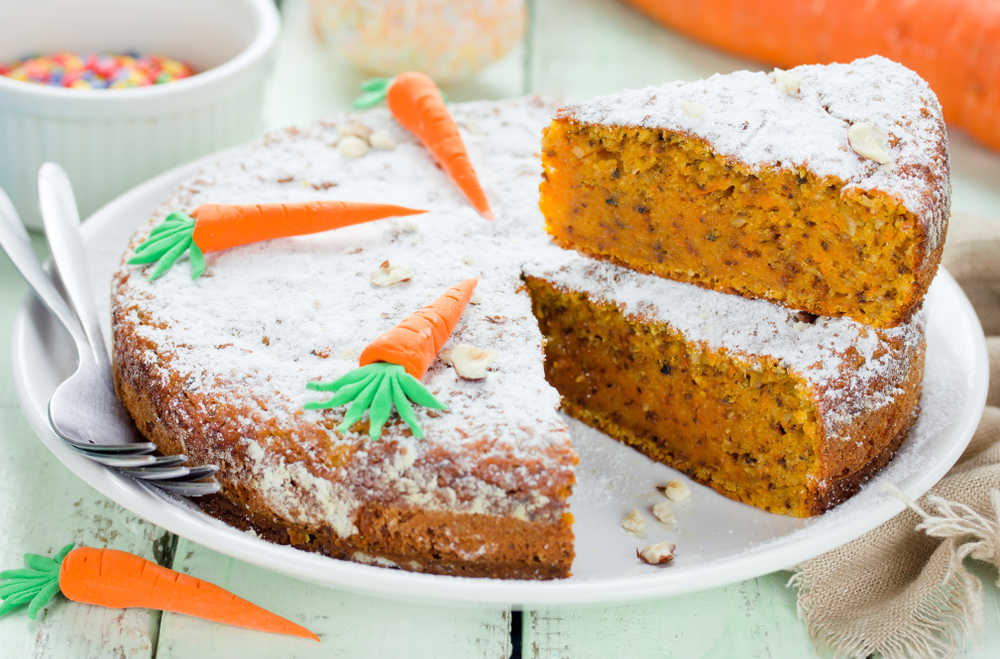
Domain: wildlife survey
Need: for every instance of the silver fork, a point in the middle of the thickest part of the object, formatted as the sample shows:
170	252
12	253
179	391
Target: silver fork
95	393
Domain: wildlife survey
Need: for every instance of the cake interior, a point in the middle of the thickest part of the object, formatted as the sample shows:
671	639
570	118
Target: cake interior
665	203
746	428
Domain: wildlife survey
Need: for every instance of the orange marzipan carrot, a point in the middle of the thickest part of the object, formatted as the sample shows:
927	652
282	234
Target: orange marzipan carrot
117	579
416	102
221	226
952	44
416	341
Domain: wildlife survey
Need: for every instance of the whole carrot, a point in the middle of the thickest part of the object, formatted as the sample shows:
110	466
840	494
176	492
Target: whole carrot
215	227
953	44
392	366
416	103
118	579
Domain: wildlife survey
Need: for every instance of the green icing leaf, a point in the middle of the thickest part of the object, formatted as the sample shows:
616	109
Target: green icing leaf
376	389
168	259
197	258
405	410
36	585
381	408
418	393
375	90
166	243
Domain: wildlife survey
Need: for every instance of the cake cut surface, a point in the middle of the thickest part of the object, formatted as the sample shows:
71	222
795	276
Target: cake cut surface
748	183
741	395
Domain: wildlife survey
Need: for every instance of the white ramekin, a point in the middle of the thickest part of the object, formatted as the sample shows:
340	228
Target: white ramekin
110	140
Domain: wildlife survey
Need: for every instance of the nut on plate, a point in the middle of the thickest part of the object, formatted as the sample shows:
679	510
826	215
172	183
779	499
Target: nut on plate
663	512
676	490
659	554
634	522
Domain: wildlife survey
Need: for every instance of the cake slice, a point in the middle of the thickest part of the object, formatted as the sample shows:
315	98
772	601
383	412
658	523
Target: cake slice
788	413
823	188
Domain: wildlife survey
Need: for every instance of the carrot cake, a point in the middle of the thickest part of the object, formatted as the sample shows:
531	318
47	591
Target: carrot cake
218	367
823	188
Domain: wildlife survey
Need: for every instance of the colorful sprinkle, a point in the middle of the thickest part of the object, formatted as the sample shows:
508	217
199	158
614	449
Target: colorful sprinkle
97	70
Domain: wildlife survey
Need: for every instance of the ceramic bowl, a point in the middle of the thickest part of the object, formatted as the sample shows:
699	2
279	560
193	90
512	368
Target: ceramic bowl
111	140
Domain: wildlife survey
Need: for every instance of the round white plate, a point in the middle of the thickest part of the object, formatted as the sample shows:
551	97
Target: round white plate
718	541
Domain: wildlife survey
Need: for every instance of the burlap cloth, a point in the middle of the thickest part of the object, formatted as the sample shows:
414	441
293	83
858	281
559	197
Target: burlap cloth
903	591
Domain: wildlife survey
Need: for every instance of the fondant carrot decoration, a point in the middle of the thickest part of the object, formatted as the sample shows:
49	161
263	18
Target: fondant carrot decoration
416	102
216	227
118	580
392	366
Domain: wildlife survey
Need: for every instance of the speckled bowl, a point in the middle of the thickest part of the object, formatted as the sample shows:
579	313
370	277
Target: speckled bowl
110	140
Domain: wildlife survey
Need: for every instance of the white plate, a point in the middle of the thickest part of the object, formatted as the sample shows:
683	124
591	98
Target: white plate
718	541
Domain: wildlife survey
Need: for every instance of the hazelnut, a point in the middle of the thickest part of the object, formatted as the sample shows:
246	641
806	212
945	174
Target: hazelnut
677	490
352	146
388	274
634	522
470	362
355	129
381	139
659	554
475	299
787	82
664	513
693	109
869	142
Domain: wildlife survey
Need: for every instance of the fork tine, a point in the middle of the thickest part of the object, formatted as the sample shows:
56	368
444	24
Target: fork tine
167	461
123	461
187	489
197	473
159	473
111	449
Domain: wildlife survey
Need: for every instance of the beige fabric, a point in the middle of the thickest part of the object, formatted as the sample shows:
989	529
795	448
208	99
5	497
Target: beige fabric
902	590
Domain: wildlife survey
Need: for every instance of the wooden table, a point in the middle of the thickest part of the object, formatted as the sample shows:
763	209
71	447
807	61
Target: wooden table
577	49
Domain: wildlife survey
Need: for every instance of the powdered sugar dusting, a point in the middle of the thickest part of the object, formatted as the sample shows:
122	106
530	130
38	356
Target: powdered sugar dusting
750	118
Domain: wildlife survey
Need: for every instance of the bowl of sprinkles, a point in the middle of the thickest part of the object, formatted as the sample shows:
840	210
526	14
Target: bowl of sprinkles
117	91
97	70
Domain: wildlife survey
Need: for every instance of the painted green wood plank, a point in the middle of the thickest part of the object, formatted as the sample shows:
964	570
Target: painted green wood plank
755	618
43	507
349	625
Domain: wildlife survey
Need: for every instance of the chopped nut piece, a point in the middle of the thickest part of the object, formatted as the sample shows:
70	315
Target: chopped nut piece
677	490
381	139
317	304
634	522
387	274
659	554
693	109
347	353
468	260
664	513
869	142
353	250
415	240
471	362
357	130
352	146
473	126
410	226
787	82
475	299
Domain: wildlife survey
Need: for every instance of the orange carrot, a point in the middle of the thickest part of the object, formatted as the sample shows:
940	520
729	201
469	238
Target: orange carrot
416	102
117	579
220	226
416	341
216	227
953	44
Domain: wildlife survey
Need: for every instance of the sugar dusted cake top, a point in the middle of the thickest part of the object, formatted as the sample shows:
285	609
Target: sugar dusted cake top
801	118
